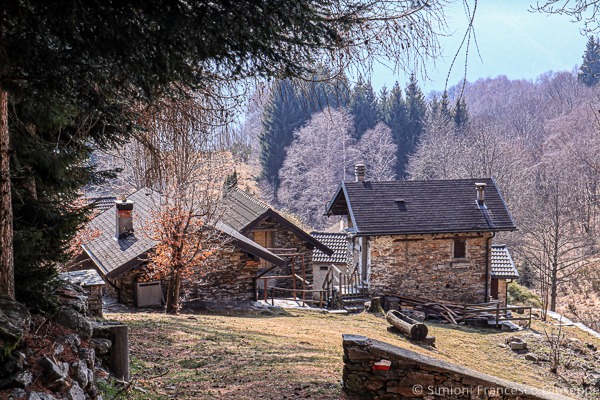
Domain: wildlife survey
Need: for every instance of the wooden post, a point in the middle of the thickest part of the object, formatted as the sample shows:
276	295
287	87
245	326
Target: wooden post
497	314
265	288
119	352
293	279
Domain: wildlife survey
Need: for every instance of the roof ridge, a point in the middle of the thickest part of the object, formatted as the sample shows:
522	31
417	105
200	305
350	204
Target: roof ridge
253	199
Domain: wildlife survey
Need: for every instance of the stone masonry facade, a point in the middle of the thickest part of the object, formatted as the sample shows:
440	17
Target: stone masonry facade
231	277
284	238
417	376
424	266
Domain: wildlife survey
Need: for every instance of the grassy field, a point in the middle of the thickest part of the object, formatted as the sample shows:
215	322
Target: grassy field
297	355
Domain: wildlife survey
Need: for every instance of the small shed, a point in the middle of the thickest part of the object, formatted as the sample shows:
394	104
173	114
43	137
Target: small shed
338	242
92	283
503	270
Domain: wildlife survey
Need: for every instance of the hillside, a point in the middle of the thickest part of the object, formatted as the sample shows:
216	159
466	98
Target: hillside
299	354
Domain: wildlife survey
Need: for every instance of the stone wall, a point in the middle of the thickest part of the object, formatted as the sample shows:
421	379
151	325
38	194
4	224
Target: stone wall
231	277
423	266
417	376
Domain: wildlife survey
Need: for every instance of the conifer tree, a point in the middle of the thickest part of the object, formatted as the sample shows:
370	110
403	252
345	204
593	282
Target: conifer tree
284	114
396	118
461	114
589	72
415	125
363	108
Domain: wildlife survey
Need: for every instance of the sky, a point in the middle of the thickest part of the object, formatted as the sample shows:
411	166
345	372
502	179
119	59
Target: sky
512	41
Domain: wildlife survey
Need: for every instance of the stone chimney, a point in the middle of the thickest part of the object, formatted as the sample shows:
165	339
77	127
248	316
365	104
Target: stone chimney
124	225
359	172
480	193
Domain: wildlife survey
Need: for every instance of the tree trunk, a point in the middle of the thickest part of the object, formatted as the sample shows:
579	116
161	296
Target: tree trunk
173	293
553	286
7	275
413	329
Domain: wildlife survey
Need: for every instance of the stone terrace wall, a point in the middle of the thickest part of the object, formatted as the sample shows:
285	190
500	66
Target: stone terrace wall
417	376
423	266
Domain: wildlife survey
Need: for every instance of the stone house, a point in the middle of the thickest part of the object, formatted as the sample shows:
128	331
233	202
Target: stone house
120	253
272	230
430	239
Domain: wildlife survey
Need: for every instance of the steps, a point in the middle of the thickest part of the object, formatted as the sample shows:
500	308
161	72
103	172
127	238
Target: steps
354	304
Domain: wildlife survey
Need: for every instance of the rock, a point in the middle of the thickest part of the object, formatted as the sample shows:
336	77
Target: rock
531	357
17	393
80	373
58	349
511	339
591	346
71	319
40	396
502	345
71	340
76	392
11	363
518	345
14	322
20	379
89	356
101	346
54	375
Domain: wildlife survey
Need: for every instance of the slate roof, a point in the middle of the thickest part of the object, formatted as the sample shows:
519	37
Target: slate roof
338	242
115	257
102	203
421	207
84	278
242	209
503	266
243	212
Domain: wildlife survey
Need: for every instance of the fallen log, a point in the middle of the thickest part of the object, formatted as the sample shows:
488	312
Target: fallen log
410	327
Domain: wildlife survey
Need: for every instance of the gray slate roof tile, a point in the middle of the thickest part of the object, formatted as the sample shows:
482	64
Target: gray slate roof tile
338	242
503	266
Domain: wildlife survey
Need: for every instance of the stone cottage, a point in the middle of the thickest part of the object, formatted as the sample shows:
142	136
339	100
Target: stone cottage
120	252
429	239
270	229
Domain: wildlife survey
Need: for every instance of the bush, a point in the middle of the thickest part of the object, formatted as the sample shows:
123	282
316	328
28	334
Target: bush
520	295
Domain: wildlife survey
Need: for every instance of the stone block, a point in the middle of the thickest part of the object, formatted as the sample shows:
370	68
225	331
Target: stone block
518	345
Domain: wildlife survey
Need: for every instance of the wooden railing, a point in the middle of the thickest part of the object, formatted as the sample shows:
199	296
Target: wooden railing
499	313
321	302
338	285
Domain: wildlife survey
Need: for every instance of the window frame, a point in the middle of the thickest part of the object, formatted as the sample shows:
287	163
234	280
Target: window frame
455	243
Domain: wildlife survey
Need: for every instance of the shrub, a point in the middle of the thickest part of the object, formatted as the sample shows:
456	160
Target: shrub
520	295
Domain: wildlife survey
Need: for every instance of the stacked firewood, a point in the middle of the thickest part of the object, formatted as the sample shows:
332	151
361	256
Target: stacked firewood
453	313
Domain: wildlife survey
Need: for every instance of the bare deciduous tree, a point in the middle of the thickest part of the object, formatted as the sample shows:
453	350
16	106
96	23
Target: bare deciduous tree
377	150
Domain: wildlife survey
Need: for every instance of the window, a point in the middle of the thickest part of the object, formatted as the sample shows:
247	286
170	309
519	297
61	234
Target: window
460	248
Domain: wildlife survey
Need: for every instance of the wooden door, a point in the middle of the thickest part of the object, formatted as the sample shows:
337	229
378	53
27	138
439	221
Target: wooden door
265	239
494	289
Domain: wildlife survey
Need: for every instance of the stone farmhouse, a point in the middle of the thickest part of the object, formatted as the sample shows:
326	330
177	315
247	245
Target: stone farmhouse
272	230
430	239
253	233
120	253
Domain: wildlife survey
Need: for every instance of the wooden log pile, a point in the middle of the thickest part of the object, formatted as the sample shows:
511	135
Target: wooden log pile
453	313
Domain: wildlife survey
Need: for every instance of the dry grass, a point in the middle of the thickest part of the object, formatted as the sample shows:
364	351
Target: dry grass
294	356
